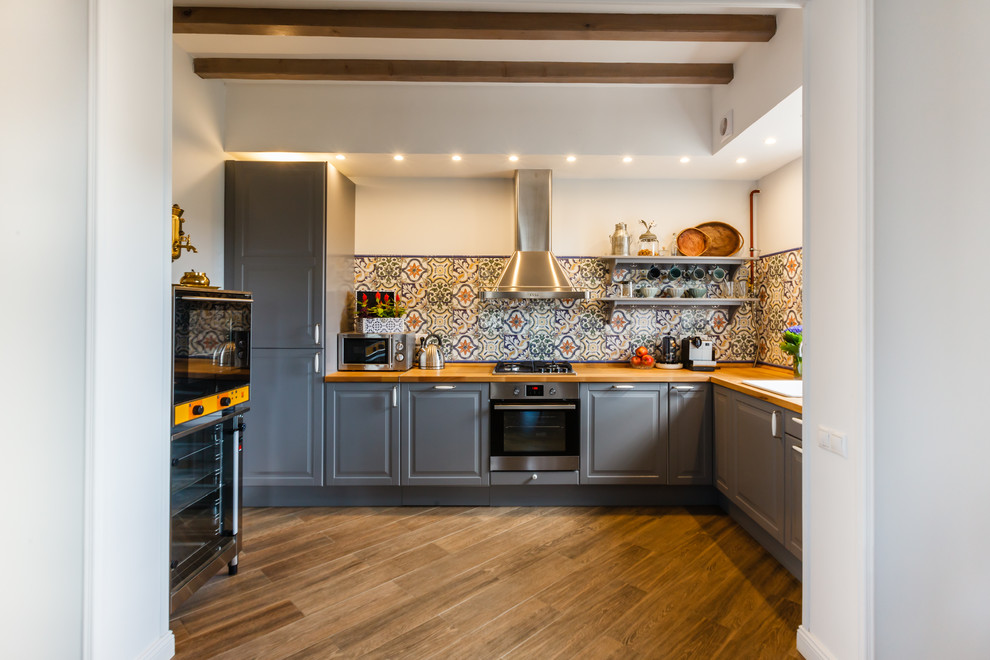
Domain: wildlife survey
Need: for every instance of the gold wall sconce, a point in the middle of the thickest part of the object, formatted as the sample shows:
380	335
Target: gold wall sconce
180	239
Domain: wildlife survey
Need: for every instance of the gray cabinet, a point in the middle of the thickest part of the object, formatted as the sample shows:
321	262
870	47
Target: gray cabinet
724	443
689	455
792	485
274	247
362	434
444	434
284	444
624	433
760	463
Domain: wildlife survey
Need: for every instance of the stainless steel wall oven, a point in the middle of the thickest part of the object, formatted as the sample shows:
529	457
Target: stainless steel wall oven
535	426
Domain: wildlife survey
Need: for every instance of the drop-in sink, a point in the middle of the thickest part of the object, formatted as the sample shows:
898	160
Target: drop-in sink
788	388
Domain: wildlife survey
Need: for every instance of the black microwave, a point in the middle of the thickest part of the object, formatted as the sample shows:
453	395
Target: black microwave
358	351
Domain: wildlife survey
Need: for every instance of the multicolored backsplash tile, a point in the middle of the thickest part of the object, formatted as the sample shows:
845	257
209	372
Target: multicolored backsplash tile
443	297
779	282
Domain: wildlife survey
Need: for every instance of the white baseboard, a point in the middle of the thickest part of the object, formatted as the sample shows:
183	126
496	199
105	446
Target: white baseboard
162	649
809	646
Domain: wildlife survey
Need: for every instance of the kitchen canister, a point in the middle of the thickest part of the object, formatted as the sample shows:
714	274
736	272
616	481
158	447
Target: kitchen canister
620	240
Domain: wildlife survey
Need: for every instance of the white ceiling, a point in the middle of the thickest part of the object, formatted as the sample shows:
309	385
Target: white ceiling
782	123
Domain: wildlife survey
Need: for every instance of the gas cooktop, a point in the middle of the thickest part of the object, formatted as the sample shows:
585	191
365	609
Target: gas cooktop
533	367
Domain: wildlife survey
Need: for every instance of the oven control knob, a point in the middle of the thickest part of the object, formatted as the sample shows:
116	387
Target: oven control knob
225	401
553	390
399	356
399	346
198	410
515	390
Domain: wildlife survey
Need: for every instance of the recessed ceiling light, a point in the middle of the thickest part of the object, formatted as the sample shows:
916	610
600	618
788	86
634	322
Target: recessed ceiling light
398	157
740	160
455	157
770	140
340	156
513	158
571	159
627	159
685	159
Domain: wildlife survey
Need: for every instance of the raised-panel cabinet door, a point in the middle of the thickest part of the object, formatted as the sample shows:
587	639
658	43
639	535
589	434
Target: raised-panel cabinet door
444	434
283	444
362	434
624	433
760	463
275	215
724	441
690	442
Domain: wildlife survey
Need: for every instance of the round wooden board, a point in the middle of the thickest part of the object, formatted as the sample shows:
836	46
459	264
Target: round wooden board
692	242
724	240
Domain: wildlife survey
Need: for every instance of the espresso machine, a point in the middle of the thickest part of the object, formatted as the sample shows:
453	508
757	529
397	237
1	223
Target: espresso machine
668	357
698	353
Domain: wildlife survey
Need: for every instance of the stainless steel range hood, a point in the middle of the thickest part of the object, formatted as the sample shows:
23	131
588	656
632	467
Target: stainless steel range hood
533	271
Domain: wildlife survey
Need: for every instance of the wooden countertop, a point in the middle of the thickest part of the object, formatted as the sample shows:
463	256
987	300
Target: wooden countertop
729	375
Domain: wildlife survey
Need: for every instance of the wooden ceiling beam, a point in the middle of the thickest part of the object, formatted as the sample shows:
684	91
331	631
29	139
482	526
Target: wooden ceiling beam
461	71
473	25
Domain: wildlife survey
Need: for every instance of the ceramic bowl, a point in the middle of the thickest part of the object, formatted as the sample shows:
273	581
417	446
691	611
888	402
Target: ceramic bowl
649	291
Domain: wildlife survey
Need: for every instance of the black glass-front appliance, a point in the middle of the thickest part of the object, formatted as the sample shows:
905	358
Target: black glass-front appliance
211	351
204	501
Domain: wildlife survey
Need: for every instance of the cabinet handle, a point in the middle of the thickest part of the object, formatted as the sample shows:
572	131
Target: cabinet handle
316	334
773	423
682	388
395	397
797	449
623	387
444	387
535	476
316	363
797	420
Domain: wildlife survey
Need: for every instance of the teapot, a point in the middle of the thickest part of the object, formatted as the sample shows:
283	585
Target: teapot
430	356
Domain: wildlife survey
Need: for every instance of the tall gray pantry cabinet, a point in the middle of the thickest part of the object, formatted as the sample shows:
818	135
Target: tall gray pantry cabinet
274	247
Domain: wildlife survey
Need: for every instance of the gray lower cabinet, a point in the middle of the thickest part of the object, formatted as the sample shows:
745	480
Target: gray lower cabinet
362	434
444	434
624	433
759	475
689	455
724	442
792	484
283	445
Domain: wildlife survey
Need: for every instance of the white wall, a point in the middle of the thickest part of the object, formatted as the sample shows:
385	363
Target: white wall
932	532
765	75
43	165
197	167
780	209
465	118
475	216
836	323
86	190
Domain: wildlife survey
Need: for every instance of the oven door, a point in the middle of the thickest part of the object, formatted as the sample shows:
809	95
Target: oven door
535	436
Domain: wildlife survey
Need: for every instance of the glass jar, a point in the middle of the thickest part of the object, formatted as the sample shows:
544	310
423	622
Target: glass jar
649	244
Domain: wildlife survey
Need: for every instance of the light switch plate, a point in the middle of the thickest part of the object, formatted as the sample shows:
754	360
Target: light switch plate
835	441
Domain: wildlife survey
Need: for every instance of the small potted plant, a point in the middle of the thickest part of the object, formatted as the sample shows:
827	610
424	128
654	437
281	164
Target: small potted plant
379	312
791	345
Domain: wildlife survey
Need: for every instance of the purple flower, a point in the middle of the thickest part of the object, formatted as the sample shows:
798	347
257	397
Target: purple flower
796	329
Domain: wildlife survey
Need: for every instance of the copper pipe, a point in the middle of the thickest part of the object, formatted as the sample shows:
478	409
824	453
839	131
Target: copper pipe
752	250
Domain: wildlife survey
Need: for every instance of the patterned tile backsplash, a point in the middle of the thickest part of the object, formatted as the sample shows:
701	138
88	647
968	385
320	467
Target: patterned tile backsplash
779	280
442	296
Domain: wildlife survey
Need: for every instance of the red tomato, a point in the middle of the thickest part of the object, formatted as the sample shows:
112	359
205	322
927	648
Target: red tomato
636	360
648	360
641	351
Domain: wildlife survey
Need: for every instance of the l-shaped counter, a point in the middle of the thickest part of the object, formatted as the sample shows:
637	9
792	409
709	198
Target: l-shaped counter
731	376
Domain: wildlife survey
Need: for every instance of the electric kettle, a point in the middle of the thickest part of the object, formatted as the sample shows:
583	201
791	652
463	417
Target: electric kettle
430	356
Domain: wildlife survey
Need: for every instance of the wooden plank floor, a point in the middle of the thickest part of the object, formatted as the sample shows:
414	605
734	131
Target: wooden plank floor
480	582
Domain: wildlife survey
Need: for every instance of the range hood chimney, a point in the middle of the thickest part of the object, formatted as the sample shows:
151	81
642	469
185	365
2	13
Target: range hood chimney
533	271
